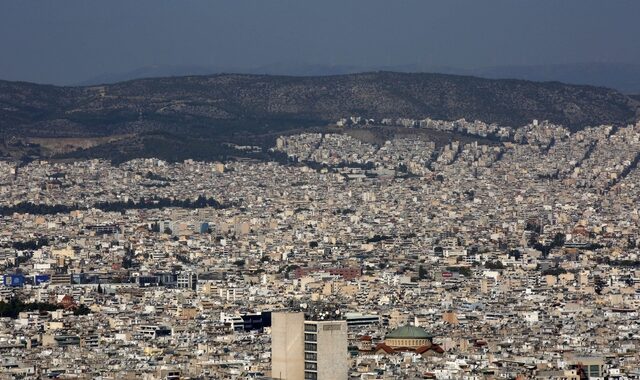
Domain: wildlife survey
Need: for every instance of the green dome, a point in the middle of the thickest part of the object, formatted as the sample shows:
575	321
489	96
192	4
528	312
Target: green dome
409	332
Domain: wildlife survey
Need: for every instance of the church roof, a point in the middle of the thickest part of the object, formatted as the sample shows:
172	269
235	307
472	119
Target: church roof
409	332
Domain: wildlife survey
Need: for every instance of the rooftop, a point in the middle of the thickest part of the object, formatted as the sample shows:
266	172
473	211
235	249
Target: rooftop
409	332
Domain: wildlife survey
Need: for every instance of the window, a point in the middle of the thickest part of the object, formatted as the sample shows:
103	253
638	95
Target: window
311	328
310	356
310	347
310	365
310	337
310	376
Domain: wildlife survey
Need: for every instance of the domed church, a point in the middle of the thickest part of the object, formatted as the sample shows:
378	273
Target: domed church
409	339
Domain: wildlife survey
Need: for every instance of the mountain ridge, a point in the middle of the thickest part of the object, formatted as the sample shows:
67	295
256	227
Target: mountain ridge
624	77
179	117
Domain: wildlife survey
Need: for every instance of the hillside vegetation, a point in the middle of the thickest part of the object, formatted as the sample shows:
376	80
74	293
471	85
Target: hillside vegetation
230	106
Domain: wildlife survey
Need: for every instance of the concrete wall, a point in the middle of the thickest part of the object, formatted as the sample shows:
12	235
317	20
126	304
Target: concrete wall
332	350
287	346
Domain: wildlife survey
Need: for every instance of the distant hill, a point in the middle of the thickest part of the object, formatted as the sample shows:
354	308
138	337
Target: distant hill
206	102
284	69
623	77
219	107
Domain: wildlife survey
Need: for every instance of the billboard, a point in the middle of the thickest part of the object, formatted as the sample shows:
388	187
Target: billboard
13	280
40	278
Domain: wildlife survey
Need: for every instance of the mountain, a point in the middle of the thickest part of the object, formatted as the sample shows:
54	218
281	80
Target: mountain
620	76
216	106
623	77
153	71
282	69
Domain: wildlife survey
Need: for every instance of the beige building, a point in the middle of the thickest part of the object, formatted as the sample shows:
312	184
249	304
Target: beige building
287	354
325	350
308	350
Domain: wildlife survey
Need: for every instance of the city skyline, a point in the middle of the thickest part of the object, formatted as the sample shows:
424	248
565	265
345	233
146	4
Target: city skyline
335	190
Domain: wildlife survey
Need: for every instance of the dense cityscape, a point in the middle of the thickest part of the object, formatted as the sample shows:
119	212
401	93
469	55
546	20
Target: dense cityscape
515	256
319	190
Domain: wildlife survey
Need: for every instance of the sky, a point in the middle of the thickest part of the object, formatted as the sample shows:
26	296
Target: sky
70	41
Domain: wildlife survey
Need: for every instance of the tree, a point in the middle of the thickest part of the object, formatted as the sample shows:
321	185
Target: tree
15	306
465	271
533	240
422	273
554	271
533	227
127	262
629	281
516	254
631	243
599	284
82	310
495	265
559	240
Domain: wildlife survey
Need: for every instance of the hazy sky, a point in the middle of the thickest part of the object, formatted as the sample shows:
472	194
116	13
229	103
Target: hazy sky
64	41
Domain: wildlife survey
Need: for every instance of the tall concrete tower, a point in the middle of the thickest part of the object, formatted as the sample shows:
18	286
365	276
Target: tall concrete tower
308	350
287	342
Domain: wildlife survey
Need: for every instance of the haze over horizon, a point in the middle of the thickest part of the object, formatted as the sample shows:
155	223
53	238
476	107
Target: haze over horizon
78	41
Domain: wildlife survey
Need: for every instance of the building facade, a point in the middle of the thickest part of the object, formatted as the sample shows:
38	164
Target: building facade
287	346
309	350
